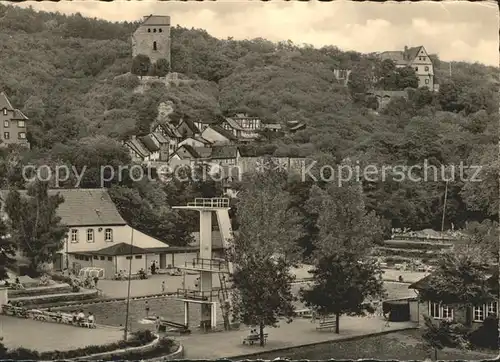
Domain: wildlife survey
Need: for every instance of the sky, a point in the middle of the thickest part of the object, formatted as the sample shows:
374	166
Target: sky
455	30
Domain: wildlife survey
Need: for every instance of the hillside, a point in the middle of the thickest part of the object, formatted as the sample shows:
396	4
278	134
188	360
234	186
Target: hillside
68	74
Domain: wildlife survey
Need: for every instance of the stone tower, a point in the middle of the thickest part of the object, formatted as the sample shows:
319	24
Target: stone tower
152	38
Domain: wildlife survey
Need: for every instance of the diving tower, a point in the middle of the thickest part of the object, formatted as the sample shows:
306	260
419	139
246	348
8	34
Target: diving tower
207	265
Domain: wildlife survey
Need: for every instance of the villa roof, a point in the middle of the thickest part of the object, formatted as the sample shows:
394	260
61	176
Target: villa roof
4	102
161	138
83	207
190	125
119	249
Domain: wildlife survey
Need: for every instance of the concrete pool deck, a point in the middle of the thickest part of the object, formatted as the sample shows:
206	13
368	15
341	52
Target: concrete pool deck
46	337
298	333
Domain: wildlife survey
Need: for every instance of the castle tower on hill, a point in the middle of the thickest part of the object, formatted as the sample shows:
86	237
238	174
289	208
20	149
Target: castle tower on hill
152	38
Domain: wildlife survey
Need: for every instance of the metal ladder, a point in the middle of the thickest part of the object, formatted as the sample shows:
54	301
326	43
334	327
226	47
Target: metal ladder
224	301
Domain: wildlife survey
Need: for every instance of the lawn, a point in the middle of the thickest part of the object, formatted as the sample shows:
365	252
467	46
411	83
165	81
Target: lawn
405	345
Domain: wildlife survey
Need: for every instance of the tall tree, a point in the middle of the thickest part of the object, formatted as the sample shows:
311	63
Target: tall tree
161	68
263	251
141	64
7	250
343	283
34	225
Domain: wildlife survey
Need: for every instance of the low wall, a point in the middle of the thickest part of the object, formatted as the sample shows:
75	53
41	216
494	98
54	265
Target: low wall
179	354
56	298
46	290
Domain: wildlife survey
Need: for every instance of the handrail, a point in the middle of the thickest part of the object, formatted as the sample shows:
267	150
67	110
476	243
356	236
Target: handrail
210	202
209	263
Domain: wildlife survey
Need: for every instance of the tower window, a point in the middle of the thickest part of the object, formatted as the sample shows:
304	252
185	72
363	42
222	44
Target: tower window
154	30
160	30
149	30
154	45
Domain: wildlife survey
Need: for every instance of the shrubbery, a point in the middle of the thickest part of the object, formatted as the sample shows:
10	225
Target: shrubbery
139	338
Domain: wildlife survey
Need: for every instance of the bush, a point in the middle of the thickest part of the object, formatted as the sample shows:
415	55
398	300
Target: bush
486	336
165	346
140	338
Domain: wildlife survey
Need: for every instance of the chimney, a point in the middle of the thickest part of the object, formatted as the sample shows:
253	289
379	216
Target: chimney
405	54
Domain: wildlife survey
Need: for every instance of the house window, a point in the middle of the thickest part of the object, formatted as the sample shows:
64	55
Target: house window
96	257
427	81
154	45
439	311
21	135
90	235
108	235
416	69
6	135
154	30
103	258
6	124
128	257
74	235
138	256
21	124
149	30
110	258
5	111
480	313
426	69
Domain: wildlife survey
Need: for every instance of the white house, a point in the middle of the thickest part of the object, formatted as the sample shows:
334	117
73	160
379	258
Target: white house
99	236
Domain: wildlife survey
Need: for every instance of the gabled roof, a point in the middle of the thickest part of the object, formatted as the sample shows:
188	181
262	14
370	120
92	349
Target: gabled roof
224	151
4	102
224	132
204	152
150	20
119	249
234	124
19	115
190	124
137	146
161	138
83	207
190	150
413	52
149	143
201	139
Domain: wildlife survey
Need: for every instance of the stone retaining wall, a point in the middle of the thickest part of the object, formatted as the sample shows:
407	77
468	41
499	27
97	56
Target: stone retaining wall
45	290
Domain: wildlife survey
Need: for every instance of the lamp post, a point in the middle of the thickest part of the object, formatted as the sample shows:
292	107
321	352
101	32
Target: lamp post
125	333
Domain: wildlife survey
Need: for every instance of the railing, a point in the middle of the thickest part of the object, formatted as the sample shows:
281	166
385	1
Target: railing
210	202
208	264
196	294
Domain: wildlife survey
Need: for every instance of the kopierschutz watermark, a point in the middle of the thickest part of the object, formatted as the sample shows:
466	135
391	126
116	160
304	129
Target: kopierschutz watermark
424	172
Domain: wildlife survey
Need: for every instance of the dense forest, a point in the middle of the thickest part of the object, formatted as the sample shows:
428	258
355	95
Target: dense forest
71	76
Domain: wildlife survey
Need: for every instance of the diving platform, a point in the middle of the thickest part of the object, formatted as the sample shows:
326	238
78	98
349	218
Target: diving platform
206	204
202	264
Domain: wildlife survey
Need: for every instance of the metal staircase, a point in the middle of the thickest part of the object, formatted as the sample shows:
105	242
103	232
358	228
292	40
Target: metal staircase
225	301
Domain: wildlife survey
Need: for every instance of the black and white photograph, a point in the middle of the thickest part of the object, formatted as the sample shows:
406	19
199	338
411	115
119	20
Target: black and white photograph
249	180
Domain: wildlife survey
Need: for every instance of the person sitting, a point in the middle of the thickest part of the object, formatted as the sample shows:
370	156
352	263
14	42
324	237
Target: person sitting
91	320
75	316
80	317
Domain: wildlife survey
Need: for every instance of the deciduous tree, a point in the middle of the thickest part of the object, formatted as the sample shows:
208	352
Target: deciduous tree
7	250
141	64
34	224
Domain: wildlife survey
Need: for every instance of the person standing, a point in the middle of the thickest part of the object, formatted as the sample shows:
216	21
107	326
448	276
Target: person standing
163	287
153	268
147	309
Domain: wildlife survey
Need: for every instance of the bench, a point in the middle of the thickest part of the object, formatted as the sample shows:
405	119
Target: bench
327	324
254	338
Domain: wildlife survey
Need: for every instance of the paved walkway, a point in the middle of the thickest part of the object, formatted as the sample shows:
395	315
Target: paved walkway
299	332
44	336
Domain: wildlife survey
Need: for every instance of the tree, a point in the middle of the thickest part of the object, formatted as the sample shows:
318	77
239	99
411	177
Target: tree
443	334
263	292
263	251
342	284
141	64
34	225
7	250
461	279
161	68
406	78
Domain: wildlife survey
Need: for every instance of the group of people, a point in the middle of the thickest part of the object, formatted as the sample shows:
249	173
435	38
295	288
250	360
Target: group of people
79	318
16	285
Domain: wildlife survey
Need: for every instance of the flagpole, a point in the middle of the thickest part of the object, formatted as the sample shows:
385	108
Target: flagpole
129	280
444	205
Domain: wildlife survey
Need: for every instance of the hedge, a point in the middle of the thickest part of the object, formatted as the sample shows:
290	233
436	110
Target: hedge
46	290
139	338
56	298
416	245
